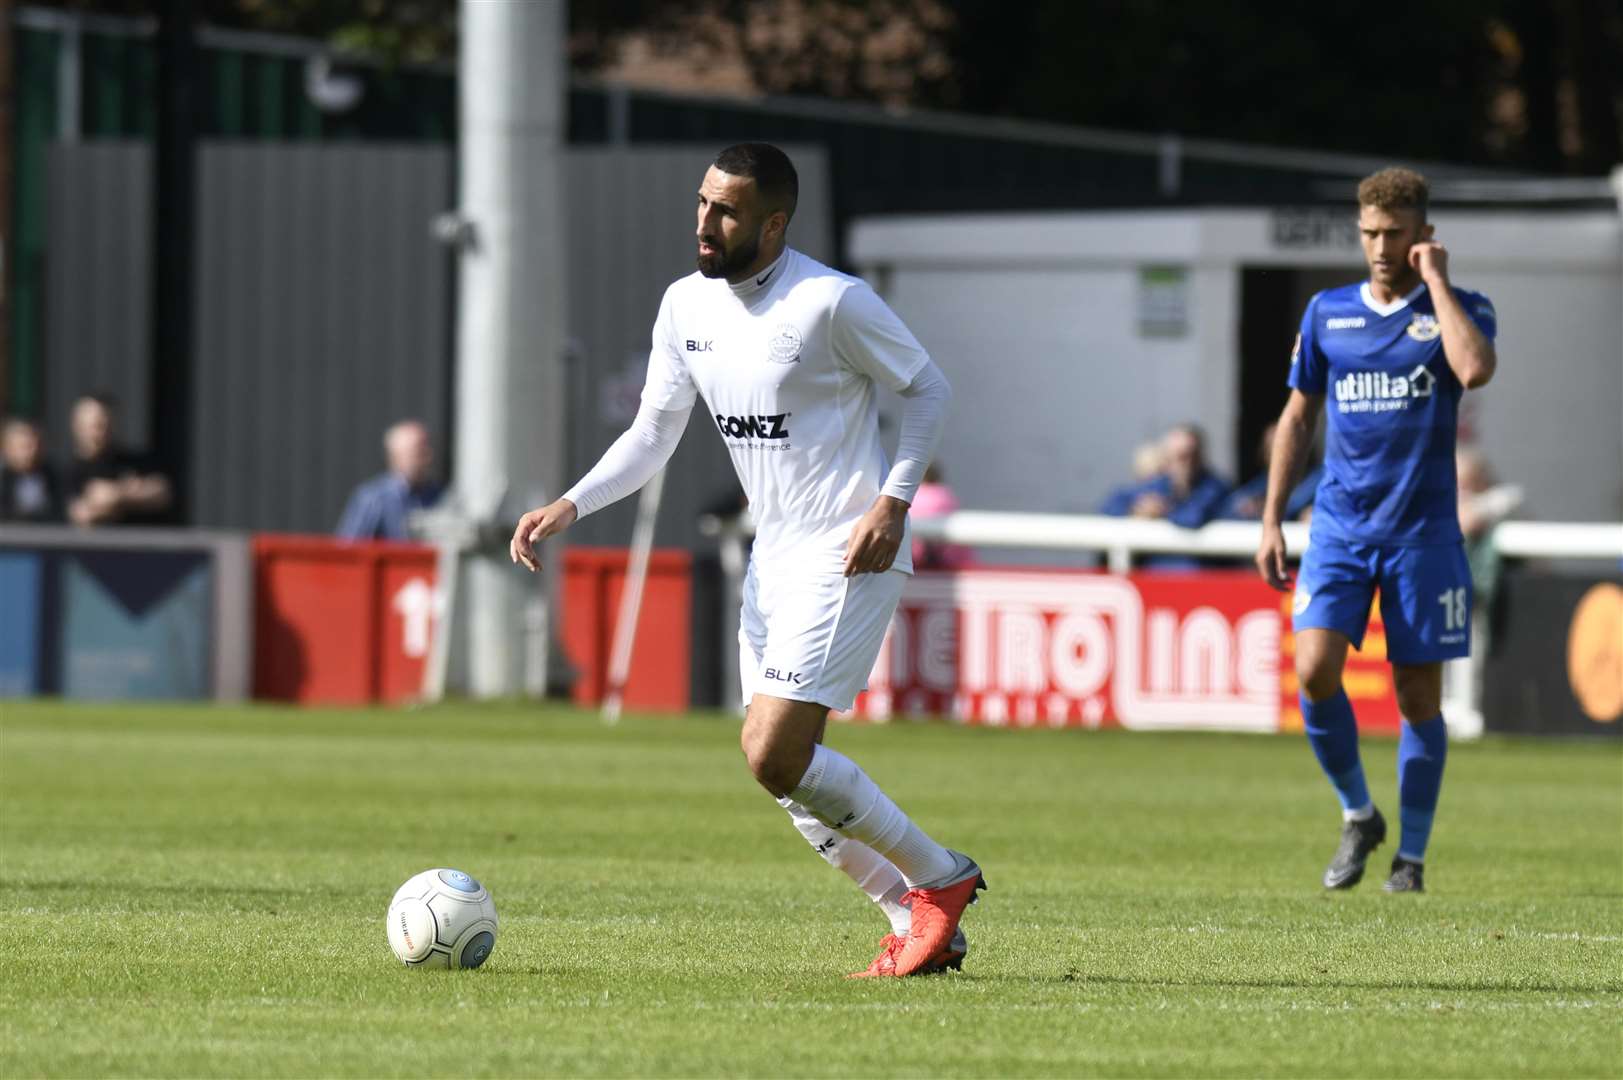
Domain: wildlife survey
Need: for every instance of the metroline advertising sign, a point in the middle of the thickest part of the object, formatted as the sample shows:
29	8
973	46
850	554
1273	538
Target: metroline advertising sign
1151	651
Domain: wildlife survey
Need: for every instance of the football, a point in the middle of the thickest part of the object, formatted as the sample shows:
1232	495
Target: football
442	919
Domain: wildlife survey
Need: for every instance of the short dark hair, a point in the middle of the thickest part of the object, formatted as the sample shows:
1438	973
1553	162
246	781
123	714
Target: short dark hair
774	174
104	398
1192	429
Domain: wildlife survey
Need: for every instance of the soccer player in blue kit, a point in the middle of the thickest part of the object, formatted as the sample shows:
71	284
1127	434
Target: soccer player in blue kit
1390	358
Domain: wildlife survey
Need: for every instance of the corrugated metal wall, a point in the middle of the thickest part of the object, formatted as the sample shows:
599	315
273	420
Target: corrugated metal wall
98	283
322	317
323	305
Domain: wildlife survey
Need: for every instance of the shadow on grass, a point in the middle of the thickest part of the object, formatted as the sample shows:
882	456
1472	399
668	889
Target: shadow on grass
1335	984
128	889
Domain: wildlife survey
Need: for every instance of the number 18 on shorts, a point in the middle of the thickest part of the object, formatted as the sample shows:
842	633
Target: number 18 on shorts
1425	596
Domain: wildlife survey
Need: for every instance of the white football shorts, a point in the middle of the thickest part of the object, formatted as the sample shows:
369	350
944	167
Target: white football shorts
810	636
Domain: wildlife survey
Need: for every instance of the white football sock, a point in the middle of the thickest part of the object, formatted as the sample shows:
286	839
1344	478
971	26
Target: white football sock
874	874
1363	813
841	796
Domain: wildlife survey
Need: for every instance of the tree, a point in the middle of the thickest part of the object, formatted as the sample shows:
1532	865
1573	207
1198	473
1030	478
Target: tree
1530	83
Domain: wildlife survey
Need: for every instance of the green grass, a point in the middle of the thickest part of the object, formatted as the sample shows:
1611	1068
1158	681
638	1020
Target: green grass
200	891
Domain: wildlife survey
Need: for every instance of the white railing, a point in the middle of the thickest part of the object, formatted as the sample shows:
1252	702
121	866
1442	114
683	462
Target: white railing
1121	540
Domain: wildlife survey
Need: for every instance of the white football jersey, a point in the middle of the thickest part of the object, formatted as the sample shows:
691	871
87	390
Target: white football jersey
787	363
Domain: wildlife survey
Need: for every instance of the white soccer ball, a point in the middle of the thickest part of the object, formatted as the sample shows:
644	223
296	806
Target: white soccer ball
442	919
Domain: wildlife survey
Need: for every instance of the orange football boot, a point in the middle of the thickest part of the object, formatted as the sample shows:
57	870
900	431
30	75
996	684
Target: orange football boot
890	947
936	912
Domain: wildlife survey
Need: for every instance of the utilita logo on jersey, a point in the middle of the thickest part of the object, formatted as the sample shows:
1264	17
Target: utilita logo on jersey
1376	391
770	429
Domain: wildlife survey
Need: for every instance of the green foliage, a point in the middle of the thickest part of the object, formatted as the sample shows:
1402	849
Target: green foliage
200	891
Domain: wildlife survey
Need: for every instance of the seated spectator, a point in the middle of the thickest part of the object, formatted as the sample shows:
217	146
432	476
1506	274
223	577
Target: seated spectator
935	499
1146	467
380	508
108	484
1483	504
28	488
1245	502
1186	492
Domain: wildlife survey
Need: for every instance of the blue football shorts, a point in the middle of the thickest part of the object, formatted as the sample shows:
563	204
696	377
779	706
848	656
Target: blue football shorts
1426	596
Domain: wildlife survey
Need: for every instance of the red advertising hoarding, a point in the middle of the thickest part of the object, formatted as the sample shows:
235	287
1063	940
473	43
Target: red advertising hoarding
1152	651
341	623
661	651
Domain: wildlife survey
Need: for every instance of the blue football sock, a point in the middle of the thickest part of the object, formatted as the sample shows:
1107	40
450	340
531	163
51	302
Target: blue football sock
1421	752
1333	733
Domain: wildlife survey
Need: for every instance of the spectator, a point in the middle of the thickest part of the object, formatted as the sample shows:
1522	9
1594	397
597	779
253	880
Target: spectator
935	499
1147	463
107	484
1186	492
28	488
1483	505
380	508
1245	502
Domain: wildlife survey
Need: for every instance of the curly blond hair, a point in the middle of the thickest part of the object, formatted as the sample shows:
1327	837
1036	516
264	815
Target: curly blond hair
1395	189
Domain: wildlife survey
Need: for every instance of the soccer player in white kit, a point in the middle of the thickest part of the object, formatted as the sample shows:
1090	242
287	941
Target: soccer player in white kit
787	355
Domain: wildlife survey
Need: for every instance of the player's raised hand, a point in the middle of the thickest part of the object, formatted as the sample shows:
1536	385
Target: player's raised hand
876	537
536	526
1271	558
1430	260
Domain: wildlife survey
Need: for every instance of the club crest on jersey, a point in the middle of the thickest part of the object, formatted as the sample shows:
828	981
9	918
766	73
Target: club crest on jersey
1424	328
783	347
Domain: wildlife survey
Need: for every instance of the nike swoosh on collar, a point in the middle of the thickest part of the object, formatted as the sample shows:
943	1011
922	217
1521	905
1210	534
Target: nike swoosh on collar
764	278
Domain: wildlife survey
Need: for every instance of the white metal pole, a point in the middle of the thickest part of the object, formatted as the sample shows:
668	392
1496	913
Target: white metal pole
509	372
625	624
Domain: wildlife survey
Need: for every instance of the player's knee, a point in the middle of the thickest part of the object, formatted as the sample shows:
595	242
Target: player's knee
773	771
767	762
1319	678
1418	699
753	747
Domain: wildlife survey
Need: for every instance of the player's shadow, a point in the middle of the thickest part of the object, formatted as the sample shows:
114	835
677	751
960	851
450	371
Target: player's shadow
130	890
1436	986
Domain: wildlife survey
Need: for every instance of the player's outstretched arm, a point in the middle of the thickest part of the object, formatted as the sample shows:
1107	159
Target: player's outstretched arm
625	467
1469	352
1292	437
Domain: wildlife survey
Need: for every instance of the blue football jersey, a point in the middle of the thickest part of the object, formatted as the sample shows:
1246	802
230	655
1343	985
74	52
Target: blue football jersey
1393	405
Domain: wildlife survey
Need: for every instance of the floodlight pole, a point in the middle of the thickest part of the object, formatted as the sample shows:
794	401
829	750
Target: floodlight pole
509	367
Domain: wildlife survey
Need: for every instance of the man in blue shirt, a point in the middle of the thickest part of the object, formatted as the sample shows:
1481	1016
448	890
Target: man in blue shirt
1391	356
1246	501
1185	492
380	508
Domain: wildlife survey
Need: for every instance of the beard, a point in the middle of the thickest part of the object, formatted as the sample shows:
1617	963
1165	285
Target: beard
725	263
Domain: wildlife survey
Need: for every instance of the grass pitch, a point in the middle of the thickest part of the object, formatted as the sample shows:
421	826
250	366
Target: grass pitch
200	891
